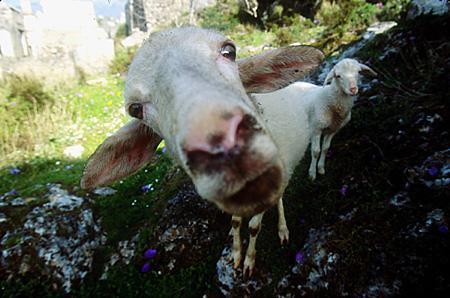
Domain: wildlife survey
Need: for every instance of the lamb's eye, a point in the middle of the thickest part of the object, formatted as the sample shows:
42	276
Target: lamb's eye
228	51
135	110
338	76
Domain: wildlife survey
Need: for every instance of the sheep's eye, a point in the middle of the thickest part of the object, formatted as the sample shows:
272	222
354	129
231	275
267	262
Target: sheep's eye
228	51
338	76
135	110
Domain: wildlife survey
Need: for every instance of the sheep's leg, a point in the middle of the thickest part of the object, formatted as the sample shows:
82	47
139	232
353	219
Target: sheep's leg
325	146
254	227
283	231
236	248
315	151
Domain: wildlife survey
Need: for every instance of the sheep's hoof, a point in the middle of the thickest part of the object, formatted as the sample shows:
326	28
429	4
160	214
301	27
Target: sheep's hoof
312	176
283	233
236	259
248	269
321	171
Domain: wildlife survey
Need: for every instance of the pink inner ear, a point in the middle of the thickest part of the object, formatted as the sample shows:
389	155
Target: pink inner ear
139	153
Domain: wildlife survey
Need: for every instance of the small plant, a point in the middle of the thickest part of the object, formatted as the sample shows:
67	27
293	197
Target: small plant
121	31
221	17
25	93
122	59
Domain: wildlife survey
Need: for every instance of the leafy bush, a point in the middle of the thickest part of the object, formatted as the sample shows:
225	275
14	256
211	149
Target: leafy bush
351	15
25	92
393	10
122	59
221	17
121	31
298	29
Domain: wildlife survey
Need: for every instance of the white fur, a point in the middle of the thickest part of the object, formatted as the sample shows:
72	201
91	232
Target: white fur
300	112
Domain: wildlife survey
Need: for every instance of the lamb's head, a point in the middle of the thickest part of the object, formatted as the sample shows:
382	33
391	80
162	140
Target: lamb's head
345	74
184	86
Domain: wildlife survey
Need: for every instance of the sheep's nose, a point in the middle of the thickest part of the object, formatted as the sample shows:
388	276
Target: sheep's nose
354	90
217	134
221	144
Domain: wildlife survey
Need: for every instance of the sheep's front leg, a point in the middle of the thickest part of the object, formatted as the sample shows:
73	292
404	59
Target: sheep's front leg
283	231
235	232
325	146
254	227
315	151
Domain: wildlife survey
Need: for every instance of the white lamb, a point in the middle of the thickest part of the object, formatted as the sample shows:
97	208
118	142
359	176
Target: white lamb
328	109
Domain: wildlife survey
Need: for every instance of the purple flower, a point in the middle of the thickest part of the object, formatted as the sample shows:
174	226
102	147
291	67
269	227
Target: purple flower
433	171
164	149
344	189
145	268
147	187
14	171
299	257
443	229
12	192
316	21
380	5
150	253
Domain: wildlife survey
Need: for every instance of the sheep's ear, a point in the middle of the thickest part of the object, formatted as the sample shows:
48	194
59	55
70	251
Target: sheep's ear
120	155
275	69
329	77
366	70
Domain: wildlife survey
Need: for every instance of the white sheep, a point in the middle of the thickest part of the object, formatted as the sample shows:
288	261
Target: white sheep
185	86
328	109
301	112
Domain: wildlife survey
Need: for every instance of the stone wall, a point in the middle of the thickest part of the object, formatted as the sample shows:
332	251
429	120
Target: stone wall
148	15
12	39
64	39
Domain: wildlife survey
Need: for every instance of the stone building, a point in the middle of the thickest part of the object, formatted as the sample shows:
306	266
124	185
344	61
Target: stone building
147	15
13	42
63	38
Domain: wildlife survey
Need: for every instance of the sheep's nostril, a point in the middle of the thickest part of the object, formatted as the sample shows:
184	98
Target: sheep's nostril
354	90
222	149
136	110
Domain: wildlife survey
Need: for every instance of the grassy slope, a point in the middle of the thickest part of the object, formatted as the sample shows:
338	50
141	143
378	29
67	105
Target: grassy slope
362	158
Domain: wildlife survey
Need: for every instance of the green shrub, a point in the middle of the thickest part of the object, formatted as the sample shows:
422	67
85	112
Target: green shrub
393	10
351	15
25	93
122	59
221	17
121	31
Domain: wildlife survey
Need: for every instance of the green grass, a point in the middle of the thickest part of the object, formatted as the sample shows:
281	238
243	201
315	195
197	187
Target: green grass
79	114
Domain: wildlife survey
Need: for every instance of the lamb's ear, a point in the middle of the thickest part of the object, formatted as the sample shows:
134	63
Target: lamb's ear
120	155
275	69
365	70
329	77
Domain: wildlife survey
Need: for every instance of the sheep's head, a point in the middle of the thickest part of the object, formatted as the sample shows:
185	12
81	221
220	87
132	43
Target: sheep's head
184	86
346	75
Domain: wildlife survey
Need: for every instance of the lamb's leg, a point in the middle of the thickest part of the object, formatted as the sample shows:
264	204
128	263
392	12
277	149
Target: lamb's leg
236	248
325	146
283	231
254	227
315	151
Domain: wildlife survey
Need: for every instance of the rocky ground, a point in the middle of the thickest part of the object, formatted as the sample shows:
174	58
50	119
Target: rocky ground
376	225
